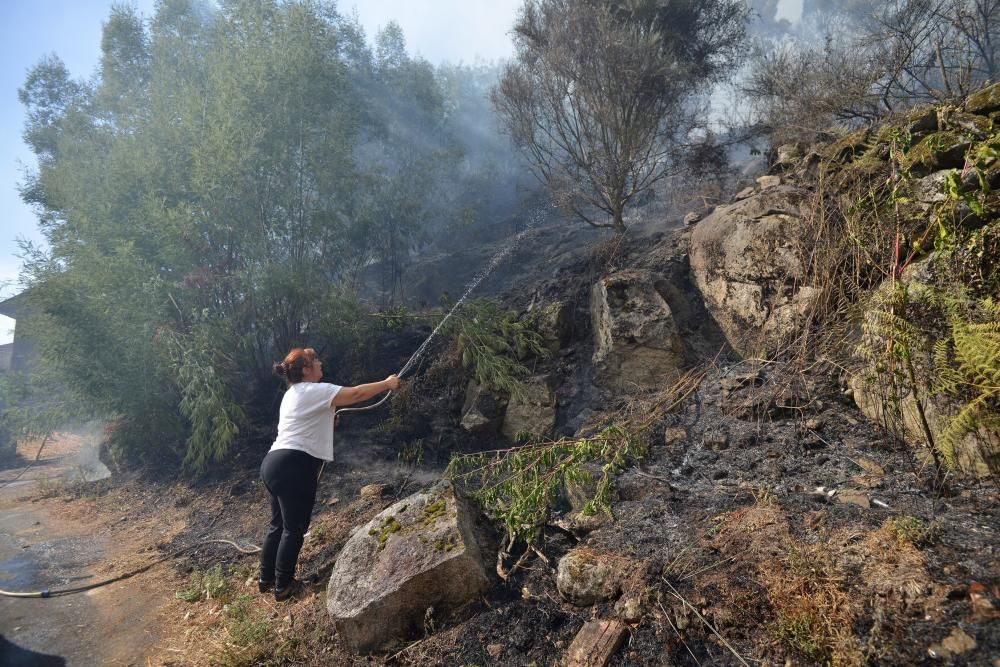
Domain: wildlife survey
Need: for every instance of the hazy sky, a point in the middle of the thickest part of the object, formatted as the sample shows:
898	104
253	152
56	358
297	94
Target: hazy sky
439	30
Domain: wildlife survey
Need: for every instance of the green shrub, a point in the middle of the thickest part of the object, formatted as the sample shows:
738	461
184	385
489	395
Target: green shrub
208	584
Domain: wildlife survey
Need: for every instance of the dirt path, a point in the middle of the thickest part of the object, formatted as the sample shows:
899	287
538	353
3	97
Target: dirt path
46	542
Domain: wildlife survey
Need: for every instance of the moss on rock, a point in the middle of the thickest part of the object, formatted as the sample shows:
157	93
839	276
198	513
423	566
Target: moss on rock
938	150
985	100
849	147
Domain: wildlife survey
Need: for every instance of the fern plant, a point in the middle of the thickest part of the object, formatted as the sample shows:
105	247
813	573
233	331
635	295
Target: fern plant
518	485
889	342
967	364
963	363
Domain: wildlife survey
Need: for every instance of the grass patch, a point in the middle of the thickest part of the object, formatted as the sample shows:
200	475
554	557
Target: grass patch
913	530
208	584
813	613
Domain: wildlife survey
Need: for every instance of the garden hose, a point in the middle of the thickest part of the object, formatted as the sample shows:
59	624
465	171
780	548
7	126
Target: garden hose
48	593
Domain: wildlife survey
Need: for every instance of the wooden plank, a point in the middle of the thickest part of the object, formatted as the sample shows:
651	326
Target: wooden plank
596	642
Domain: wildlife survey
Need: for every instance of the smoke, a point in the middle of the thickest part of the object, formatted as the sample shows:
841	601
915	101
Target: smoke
84	465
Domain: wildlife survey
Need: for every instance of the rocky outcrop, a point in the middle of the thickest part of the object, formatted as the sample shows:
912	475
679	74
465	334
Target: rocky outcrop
532	409
554	324
750	268
896	408
482	412
636	341
428	550
973	453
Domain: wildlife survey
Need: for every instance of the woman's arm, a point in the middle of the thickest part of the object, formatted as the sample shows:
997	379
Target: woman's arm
362	392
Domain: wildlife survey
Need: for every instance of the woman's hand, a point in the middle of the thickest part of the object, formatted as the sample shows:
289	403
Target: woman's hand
392	382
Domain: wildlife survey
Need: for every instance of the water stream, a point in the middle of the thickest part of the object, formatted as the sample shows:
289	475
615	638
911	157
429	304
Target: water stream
533	220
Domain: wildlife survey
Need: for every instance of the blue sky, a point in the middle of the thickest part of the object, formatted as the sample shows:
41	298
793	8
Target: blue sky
439	30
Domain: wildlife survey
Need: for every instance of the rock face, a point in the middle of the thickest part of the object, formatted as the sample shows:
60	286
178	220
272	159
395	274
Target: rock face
750	269
426	550
977	452
482	411
531	410
636	341
554	324
971	452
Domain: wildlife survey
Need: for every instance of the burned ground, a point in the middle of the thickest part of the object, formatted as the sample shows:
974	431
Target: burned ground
768	522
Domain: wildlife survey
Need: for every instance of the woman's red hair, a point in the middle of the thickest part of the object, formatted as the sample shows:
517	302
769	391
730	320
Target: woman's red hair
294	364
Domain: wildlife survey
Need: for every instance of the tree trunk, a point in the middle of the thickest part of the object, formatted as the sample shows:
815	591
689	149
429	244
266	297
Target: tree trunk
617	219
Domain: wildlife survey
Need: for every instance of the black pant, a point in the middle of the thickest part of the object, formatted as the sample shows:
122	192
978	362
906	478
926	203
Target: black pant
290	477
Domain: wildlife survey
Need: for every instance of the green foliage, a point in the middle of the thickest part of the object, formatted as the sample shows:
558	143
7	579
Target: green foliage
967	368
517	486
493	343
246	626
913	530
245	163
209	584
206	398
962	363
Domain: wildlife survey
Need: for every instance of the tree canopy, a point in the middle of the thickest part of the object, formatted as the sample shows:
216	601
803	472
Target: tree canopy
209	199
602	95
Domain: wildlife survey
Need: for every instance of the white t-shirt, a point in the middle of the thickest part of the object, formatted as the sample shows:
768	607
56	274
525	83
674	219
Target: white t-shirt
305	421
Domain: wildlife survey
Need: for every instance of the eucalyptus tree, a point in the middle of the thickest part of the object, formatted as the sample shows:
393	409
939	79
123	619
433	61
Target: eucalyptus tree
601	93
193	195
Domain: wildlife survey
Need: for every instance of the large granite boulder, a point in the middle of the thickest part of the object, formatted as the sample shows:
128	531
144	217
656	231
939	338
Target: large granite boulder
636	340
431	549
531	410
750	266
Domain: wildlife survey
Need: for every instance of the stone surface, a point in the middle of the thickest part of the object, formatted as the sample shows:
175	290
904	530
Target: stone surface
428	550
922	120
585	577
596	642
770	181
629	609
532	409
691	218
850	497
974	453
984	101
750	268
930	188
971	450
636	341
555	322
788	155
482	412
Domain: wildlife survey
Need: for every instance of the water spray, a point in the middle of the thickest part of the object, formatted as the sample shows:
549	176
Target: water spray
494	262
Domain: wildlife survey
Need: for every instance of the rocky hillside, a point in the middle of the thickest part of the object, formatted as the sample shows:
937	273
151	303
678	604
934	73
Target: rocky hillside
767	436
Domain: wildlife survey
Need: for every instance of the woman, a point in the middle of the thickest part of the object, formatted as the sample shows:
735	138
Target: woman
291	467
